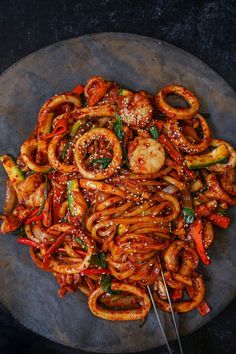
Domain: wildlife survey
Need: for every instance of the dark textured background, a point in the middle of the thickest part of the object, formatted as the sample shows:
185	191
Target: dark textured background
204	28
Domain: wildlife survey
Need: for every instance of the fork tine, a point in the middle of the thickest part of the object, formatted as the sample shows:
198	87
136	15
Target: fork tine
171	309
158	319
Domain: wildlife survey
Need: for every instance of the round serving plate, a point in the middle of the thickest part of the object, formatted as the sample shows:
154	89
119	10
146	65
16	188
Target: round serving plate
137	63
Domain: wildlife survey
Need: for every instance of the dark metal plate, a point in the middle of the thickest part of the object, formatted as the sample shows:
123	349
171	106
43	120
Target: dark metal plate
138	63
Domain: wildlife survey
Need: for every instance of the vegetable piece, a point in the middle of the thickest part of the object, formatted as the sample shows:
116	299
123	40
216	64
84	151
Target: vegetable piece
64	151
177	294
34	217
204	308
170	149
154	132
82	243
51	250
118	127
27	242
44	196
205	160
98	259
14	173
78	89
75	127
76	201
188	210
106	284
103	161
188	215
123	92
11	198
95	271
196	233
60	128
220	220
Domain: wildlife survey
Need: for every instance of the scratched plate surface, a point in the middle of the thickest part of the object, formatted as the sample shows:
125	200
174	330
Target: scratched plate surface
137	63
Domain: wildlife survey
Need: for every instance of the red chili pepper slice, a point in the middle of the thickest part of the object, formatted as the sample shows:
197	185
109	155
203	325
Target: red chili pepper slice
159	124
220	220
203	308
51	250
170	149
26	241
196	233
177	294
78	89
95	271
60	128
34	217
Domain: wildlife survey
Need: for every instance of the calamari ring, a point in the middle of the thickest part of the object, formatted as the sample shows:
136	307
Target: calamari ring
231	163
172	253
177	113
53	159
45	116
27	149
121	315
175	134
184	306
81	144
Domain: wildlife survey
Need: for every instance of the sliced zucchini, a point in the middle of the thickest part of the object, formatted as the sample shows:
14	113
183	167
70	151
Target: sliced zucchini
205	160
73	186
14	173
124	93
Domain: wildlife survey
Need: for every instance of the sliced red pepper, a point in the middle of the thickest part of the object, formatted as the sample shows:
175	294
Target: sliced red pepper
95	271
34	217
78	89
174	154
203	307
60	128
159	124
196	233
189	172
26	241
170	149
220	220
51	250
47	211
177	294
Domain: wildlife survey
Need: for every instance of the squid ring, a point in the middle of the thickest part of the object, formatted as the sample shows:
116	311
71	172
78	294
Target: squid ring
45	116
84	140
172	253
184	144
53	159
27	149
188	305
121	315
177	113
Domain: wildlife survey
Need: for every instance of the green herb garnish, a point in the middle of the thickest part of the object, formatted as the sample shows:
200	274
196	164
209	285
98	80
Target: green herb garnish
188	215
106	284
82	243
103	161
154	132
118	127
98	259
